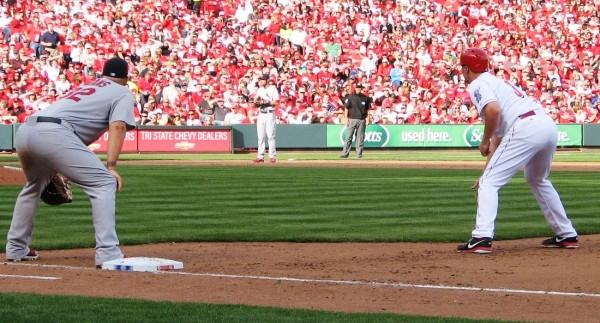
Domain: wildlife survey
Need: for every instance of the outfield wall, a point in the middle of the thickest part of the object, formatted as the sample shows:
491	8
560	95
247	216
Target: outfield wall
314	136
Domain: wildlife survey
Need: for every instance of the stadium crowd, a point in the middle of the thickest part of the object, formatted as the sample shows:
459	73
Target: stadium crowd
198	62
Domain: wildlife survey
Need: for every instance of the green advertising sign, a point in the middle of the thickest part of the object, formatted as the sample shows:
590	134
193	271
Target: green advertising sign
570	135
438	136
375	136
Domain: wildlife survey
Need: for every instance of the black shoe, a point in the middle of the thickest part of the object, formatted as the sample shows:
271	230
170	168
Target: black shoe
559	242
476	245
342	156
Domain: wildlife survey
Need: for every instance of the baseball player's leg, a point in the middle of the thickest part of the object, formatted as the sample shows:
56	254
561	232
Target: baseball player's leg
271	131
38	175
260	133
20	233
536	173
360	137
93	178
80	165
513	152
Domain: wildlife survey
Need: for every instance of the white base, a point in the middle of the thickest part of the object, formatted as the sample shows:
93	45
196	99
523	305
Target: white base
142	264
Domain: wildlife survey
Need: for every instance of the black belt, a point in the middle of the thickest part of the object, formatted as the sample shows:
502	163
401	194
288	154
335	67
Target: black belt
266	111
527	114
57	121
49	119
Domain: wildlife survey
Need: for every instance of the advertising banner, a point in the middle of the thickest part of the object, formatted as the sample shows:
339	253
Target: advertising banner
166	140
392	136
129	144
213	140
434	136
570	135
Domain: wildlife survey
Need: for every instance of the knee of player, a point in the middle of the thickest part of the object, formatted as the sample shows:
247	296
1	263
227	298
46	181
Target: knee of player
106	179
532	180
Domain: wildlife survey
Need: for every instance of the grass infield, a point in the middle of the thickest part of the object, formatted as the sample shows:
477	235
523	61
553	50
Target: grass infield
304	204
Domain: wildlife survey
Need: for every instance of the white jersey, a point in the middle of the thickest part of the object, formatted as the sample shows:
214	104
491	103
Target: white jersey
268	94
90	113
513	101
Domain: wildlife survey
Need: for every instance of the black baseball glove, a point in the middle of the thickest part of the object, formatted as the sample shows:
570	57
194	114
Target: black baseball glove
58	191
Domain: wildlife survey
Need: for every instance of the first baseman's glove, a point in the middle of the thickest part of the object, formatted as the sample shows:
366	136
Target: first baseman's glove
58	191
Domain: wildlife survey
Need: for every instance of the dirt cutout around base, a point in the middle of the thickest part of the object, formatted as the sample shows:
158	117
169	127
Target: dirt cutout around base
519	281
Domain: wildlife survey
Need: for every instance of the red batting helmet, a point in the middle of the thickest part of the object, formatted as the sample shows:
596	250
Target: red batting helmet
476	59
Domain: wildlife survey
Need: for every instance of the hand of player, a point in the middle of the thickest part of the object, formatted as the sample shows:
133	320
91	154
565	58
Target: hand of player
484	148
118	177
475	187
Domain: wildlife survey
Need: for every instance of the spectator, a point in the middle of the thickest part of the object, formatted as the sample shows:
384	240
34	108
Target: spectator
234	116
397	74
309	116
206	110
62	84
50	40
220	112
33	33
88	58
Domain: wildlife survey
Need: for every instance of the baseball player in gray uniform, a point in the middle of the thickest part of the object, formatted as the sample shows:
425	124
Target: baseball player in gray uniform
266	99
517	133
56	139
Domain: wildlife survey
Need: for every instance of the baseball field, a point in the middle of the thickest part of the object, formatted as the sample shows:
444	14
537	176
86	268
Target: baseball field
309	239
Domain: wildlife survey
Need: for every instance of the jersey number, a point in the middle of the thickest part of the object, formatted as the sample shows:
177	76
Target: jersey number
75	95
517	91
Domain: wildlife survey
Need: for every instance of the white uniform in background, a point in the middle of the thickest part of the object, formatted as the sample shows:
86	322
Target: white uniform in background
266	122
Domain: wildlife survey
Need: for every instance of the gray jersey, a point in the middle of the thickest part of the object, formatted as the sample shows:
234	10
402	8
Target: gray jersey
88	111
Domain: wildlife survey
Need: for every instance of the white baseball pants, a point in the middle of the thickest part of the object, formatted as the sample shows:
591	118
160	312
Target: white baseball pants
265	128
530	142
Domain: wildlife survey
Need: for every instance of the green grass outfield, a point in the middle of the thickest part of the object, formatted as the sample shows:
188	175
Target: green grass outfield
303	204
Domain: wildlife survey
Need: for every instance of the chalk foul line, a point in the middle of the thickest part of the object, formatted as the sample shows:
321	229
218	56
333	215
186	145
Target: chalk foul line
385	284
30	277
339	282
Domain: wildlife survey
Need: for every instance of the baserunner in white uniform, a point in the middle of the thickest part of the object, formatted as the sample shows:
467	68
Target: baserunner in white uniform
517	133
56	139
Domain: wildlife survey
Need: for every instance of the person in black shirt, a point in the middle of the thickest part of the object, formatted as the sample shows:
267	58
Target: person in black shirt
206	110
50	40
220	111
356	111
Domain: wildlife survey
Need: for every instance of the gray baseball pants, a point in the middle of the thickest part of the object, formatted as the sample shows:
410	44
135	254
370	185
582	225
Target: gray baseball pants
357	126
45	149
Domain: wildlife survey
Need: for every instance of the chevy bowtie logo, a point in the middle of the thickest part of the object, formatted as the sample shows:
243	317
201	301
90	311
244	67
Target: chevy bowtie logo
185	145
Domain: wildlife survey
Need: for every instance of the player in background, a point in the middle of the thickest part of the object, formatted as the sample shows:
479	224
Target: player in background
56	139
266	99
517	133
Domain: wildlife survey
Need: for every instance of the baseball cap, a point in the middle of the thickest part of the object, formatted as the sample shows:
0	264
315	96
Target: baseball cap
360	86
116	67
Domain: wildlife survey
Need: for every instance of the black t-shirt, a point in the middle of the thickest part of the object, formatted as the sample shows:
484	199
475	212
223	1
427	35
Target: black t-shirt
206	108
358	105
50	37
